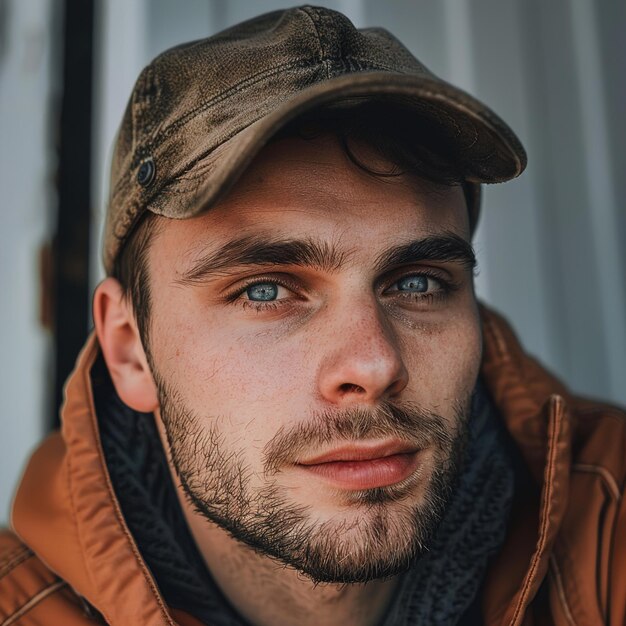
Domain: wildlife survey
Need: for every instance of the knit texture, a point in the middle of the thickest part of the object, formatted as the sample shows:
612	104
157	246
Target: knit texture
444	581
143	485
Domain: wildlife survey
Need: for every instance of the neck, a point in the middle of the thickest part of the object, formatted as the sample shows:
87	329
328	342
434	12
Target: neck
266	592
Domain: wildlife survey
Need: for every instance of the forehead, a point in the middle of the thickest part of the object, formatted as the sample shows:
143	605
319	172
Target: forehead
311	188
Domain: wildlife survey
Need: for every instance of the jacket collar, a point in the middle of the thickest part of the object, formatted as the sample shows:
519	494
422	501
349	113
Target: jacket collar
533	405
67	512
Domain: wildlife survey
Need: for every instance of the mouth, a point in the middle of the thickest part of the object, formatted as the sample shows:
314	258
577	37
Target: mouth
365	465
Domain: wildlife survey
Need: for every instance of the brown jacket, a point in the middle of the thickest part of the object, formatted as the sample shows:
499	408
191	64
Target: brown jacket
563	562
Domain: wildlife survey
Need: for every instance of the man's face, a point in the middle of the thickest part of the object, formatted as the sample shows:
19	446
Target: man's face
315	342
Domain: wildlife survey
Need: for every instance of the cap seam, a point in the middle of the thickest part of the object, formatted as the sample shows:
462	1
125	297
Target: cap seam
322	56
140	152
254	79
251	80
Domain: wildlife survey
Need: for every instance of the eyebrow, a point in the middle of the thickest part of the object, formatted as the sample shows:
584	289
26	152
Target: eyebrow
258	250
442	248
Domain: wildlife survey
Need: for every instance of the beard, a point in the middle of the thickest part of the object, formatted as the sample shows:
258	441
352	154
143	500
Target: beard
387	528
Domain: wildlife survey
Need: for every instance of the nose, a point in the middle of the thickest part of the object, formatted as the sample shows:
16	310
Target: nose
363	364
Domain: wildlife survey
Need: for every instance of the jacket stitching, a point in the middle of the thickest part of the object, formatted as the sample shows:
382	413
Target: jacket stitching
16	558
560	590
36	599
609	479
547	497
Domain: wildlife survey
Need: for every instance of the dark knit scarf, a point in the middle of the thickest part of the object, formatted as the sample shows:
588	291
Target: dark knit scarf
442	585
441	588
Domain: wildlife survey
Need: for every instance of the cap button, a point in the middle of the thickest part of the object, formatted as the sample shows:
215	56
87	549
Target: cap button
146	172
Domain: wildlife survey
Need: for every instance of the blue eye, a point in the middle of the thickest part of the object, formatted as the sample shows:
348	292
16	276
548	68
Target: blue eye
262	292
415	283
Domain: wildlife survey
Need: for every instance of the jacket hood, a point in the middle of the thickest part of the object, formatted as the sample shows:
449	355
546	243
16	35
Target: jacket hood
67	512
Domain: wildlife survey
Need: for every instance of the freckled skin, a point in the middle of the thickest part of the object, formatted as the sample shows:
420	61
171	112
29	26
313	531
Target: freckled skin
340	343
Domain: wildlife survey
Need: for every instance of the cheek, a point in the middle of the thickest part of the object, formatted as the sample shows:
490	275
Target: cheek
252	381
444	362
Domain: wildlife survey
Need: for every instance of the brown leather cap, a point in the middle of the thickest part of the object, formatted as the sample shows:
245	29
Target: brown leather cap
200	112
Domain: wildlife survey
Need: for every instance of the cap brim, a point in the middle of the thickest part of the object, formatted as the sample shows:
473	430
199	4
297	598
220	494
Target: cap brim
485	147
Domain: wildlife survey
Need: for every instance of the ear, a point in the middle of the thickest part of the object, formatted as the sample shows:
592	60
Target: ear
121	346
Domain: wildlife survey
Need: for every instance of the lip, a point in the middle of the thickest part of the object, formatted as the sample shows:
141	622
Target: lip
362	451
365	466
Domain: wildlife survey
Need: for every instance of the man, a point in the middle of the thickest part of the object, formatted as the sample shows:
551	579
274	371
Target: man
293	411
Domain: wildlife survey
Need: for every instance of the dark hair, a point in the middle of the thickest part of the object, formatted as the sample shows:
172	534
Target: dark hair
412	145
130	268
